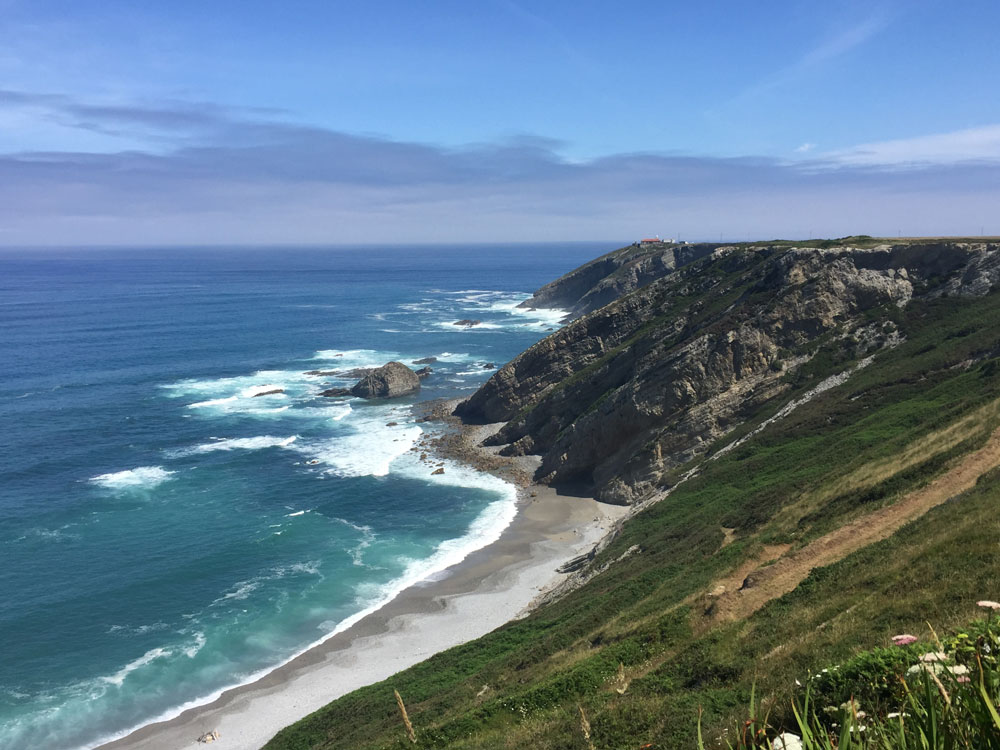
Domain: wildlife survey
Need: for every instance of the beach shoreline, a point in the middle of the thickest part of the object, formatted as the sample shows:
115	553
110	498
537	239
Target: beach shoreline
491	586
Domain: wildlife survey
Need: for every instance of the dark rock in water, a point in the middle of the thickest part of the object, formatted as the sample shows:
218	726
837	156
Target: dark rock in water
391	424
333	392
324	373
437	471
423	372
490	366
467	323
389	381
271	392
425	361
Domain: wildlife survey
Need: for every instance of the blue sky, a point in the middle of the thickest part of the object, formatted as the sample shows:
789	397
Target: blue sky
502	120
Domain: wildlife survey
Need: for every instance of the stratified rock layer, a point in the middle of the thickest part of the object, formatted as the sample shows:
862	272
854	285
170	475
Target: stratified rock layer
631	390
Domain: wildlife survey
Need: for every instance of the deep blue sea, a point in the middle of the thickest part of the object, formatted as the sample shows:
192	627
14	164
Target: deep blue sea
164	532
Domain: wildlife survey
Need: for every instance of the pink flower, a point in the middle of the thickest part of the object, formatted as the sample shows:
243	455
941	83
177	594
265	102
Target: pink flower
987	604
963	678
903	640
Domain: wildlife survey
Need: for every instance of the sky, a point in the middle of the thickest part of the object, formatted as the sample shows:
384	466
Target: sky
394	121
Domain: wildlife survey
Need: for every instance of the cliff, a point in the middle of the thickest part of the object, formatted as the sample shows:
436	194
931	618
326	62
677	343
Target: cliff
607	278
819	426
623	395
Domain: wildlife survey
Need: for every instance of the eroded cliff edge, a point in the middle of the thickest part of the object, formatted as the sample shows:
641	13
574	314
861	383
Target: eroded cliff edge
693	341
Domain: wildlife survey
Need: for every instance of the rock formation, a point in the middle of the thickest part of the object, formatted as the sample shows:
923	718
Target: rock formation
625	393
389	381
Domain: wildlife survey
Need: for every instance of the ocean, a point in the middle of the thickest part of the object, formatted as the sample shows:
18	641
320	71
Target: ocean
167	532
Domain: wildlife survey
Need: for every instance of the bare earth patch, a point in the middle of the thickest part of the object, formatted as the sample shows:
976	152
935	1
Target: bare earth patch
754	584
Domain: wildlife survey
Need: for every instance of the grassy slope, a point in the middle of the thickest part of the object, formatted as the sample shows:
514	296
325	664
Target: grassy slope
831	460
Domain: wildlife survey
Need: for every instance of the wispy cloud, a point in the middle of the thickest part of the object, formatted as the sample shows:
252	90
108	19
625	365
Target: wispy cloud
971	144
825	50
177	118
231	177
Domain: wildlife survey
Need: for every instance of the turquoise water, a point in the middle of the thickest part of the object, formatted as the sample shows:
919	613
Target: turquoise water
164	532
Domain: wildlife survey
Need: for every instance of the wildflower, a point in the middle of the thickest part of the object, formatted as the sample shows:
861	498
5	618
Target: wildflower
903	640
963	678
787	741
934	656
959	669
987	604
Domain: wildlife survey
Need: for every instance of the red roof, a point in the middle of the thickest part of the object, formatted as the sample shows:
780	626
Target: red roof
651	239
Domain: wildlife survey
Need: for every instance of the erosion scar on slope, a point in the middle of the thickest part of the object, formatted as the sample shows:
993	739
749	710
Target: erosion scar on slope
787	572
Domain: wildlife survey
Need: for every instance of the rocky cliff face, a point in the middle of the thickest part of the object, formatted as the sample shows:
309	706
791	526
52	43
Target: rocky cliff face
607	278
624	394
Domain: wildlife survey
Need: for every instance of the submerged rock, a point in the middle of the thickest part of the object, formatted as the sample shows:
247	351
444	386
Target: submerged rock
389	381
271	392
490	366
425	361
423	372
467	323
324	373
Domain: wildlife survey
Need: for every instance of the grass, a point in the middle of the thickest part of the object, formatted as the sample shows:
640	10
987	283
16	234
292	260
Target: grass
889	429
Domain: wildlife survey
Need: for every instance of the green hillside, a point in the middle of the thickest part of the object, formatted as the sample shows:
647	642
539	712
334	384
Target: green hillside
868	510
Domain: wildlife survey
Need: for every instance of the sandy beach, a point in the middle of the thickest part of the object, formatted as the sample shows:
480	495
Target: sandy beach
490	587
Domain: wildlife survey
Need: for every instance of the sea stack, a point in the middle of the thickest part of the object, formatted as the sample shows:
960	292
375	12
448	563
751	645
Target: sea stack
389	381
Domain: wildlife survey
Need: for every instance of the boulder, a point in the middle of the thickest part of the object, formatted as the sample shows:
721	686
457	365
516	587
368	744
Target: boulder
423	372
467	323
490	366
389	381
425	361
437	471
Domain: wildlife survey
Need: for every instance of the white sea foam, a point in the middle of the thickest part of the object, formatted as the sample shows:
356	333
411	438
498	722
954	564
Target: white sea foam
137	629
370	449
367	537
213	402
450	325
249	444
487	528
199	641
296	513
261	391
240	591
119	677
141	477
353	358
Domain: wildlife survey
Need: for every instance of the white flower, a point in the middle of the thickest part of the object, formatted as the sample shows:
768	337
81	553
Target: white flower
787	741
987	604
934	656
959	669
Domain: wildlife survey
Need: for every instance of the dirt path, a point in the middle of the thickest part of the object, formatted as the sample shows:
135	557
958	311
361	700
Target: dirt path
727	601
